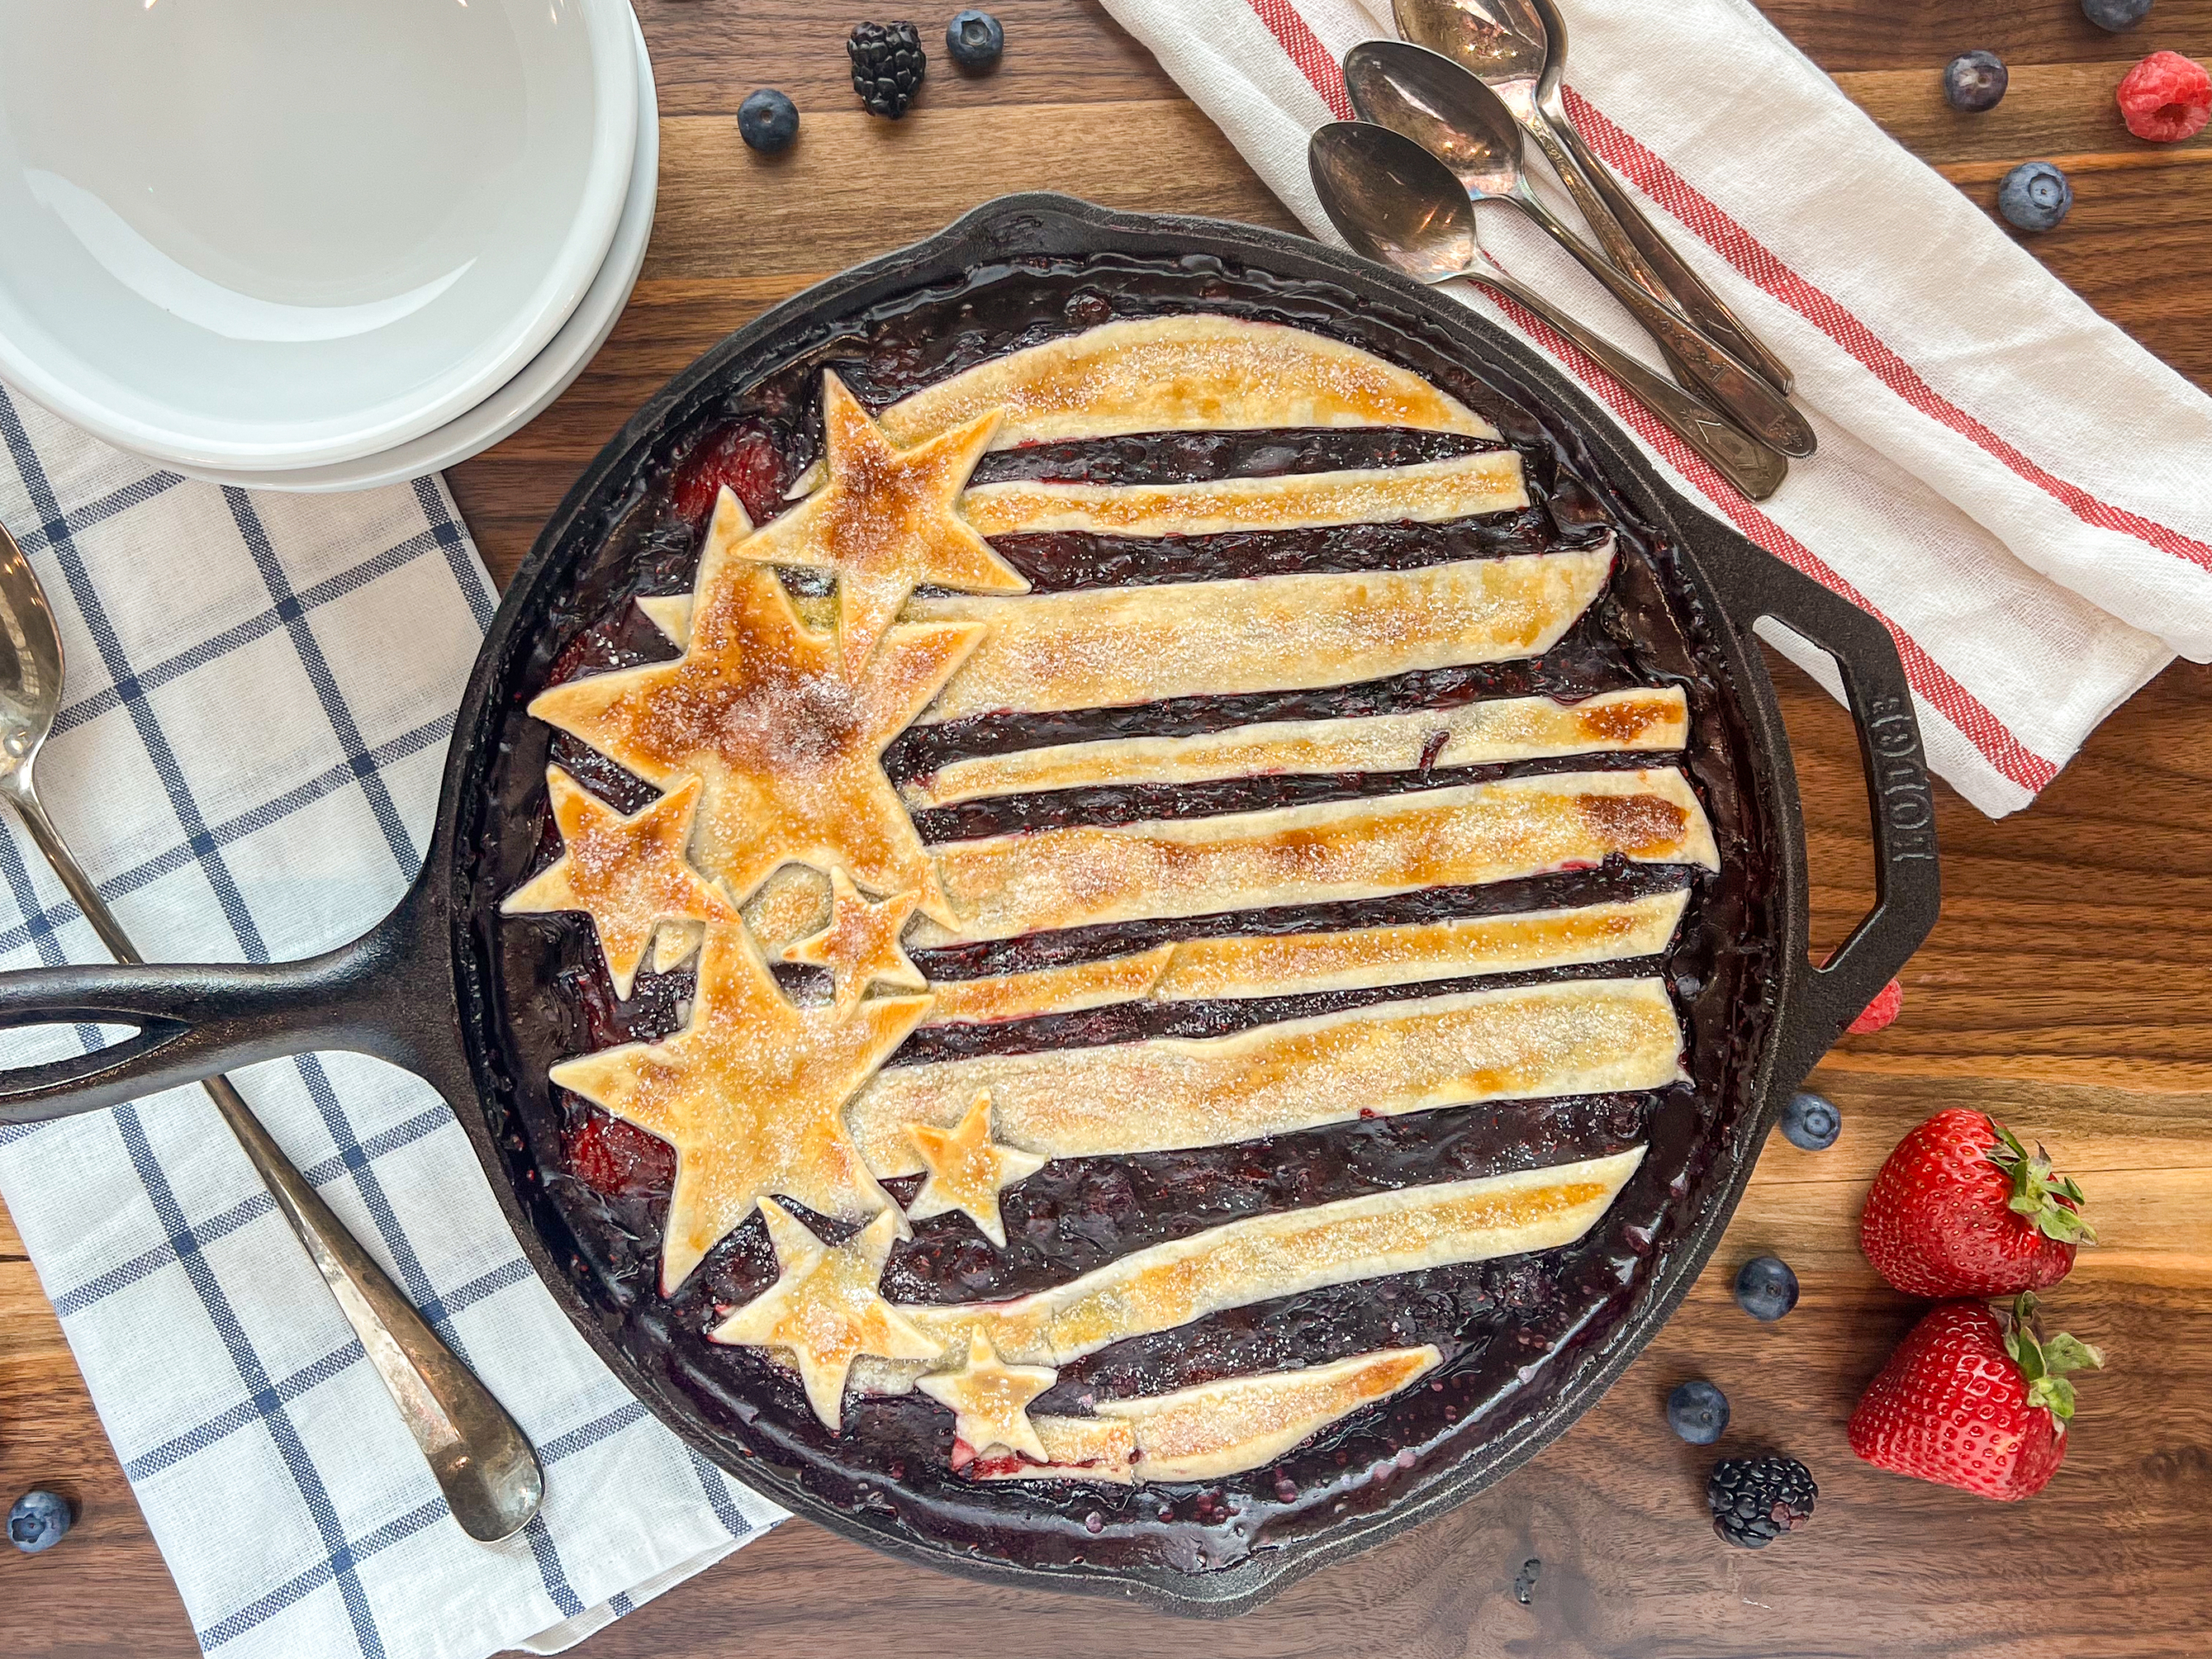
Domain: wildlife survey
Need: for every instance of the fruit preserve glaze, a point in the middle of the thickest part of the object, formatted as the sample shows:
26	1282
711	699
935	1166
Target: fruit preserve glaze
1511	1331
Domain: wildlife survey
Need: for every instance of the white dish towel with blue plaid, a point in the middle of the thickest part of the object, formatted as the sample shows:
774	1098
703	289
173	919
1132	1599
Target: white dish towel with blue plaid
259	692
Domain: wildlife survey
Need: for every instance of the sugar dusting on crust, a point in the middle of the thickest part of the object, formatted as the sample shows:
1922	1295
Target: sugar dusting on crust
1262	1257
1504	728
1102	648
1195	372
1432	491
1003	885
1530	1041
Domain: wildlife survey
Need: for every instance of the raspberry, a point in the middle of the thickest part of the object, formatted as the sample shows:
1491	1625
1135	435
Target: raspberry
1879	1014
745	457
616	1158
2166	97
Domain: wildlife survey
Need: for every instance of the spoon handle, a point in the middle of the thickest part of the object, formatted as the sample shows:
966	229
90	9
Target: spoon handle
1638	246
481	1460
1750	465
1743	396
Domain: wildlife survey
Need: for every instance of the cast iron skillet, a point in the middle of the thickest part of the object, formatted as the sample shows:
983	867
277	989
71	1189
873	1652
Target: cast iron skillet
421	989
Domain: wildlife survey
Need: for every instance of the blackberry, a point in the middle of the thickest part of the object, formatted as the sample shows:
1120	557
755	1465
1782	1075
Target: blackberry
887	65
1756	1500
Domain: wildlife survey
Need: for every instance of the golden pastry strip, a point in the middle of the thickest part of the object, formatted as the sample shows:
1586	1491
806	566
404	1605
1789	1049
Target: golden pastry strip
1048	990
1165	1286
1353	958
1432	491
1003	885
1186	373
1511	729
1098	648
1216	1428
1528	1042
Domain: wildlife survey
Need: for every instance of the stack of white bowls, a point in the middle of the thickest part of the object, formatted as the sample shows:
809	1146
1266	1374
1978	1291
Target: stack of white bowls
316	245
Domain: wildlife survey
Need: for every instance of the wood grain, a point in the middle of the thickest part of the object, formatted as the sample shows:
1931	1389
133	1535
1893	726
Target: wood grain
2066	988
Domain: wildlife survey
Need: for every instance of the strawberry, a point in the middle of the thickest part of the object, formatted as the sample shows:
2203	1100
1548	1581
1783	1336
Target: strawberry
1960	1209
1973	1398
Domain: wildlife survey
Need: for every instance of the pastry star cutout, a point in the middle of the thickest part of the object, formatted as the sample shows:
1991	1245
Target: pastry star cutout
990	1399
751	1093
860	945
787	750
628	875
887	521
826	1310
967	1168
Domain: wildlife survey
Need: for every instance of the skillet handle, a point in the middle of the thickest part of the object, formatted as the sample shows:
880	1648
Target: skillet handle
1823	1000
193	1022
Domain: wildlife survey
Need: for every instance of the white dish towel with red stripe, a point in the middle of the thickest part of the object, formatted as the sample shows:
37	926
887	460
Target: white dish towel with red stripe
2019	491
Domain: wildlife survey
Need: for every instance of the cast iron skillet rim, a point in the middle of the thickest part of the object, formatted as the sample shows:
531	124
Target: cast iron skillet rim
1236	1589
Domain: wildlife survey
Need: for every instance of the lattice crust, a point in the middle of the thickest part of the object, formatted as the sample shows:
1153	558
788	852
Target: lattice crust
1107	647
1507	729
1184	373
1003	885
1350	959
1528	1042
777	828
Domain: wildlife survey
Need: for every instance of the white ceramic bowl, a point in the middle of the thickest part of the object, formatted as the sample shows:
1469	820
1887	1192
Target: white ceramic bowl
543	378
278	233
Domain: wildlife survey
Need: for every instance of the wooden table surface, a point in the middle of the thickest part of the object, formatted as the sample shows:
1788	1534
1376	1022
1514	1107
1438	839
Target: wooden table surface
2066	988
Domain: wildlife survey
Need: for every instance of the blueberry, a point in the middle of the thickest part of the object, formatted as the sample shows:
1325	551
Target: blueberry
1975	80
2034	196
1811	1121
975	40
2115	14
1765	1289
37	1521
767	121
1698	1412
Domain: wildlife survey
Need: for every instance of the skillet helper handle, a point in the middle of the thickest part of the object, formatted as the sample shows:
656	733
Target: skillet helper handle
1901	804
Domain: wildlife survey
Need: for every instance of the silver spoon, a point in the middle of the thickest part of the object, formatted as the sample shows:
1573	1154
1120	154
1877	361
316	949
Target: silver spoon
482	1462
1395	202
1455	117
1518	49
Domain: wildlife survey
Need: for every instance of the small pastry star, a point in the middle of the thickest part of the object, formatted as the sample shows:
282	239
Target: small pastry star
860	945
990	1399
967	1168
751	1093
788	750
628	874
826	1309
887	521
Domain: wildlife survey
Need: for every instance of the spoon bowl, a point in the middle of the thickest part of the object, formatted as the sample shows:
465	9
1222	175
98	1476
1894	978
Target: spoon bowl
30	667
1443	109
1518	49
1397	204
1393	200
1500	41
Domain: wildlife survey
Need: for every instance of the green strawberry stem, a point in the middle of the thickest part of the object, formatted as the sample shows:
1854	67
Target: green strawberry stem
2037	1190
2045	1362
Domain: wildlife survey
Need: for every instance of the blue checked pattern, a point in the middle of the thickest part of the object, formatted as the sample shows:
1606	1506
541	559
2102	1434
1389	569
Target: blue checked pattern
247	760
